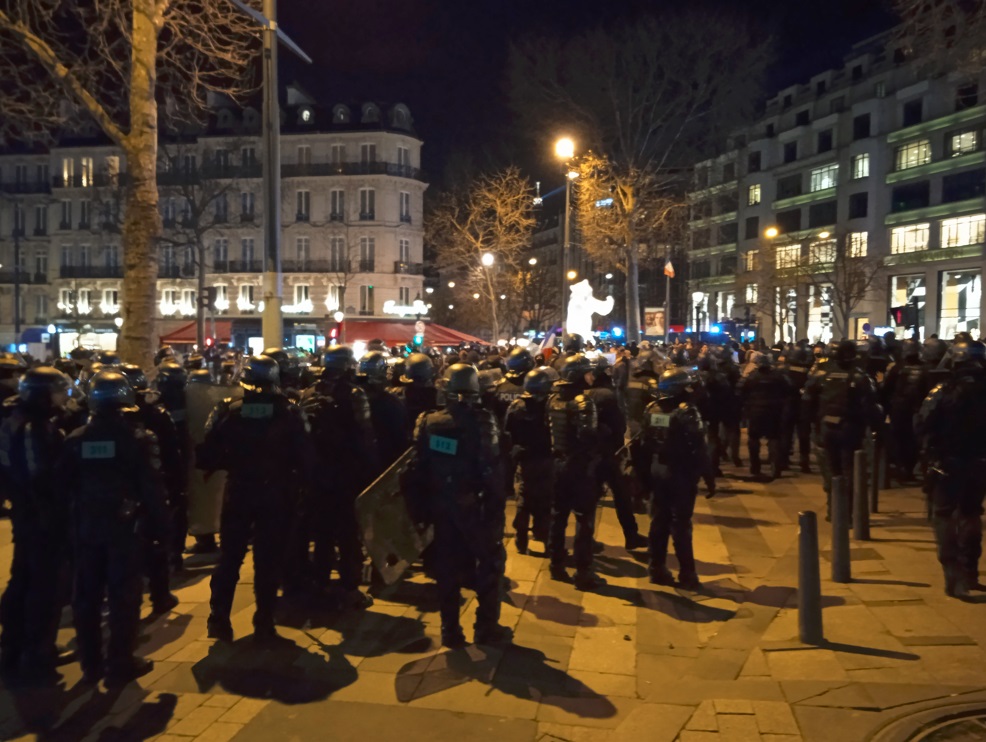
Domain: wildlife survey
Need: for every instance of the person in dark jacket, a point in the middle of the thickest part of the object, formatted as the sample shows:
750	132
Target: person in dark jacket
764	393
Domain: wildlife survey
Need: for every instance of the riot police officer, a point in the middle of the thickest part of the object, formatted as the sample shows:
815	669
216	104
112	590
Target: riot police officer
612	429
796	367
456	486
950	417
519	363
338	416
111	471
572	344
30	444
904	388
387	413
417	387
673	435
764	393
573	423
261	441
170	386
526	428
841	400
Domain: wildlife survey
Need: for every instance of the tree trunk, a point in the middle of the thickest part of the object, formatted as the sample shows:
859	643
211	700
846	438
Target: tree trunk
633	292
200	297
142	221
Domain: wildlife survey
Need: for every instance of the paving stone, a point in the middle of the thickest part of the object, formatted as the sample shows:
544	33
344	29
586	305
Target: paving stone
244	711
221	700
220	732
738	728
732	706
689	735
654	722
197	721
814	664
775	718
610	649
703	719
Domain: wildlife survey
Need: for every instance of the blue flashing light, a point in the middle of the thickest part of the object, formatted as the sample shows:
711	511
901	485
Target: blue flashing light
715	329
617	332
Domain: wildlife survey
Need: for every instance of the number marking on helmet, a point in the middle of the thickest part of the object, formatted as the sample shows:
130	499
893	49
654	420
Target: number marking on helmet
441	444
660	420
257	411
99	450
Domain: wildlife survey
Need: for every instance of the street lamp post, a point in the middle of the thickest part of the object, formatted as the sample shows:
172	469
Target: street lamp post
565	150
697	297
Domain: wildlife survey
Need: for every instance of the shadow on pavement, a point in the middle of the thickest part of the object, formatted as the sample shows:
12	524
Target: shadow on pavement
550	608
867	651
622	566
730	521
519	671
901	583
55	714
281	671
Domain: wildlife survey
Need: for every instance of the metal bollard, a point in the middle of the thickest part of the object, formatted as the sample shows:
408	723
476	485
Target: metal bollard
809	580
860	506
841	567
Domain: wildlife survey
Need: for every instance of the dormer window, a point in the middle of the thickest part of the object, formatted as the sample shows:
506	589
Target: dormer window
371	114
340	114
305	115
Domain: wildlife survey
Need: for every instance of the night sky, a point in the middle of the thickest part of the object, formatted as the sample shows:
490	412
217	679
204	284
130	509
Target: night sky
446	59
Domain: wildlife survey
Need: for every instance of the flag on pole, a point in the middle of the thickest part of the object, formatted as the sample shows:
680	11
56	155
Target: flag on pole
668	268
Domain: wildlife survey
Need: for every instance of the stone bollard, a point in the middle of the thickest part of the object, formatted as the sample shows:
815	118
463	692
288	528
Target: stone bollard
860	506
841	568
809	580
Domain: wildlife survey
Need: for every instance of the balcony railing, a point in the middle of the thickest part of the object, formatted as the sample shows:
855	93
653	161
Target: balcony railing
26	186
365	312
85	225
22	276
40	231
364	266
64	225
245	266
175	271
246	218
367	216
350	168
302	217
98	180
411	269
90	271
313	266
335	216
406	218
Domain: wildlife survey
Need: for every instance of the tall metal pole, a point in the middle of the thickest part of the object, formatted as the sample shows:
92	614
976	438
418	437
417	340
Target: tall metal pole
17	281
566	237
273	322
667	307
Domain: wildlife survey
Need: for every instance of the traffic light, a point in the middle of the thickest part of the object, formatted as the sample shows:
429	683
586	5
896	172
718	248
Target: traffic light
209	300
904	316
419	338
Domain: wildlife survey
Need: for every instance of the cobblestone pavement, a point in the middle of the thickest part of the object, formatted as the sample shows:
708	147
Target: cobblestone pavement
630	661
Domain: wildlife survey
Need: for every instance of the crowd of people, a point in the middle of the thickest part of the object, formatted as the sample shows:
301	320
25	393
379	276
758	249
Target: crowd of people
100	463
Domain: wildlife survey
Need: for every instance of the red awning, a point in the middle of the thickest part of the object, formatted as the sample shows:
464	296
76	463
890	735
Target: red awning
401	333
187	335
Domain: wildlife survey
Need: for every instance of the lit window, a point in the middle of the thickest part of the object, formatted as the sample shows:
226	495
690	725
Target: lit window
857	244
822	251
753	195
750	260
911	238
913	154
861	166
964	143
751	293
963	230
824	177
787	256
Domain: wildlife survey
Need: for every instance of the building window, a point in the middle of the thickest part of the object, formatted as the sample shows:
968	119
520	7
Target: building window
963	186
40	220
837	104
911	196
84	304
66	222
221	303
801	118
752	229
367	204
41	262
41	307
20	219
220	159
302	296
337	255
963	142
753	195
404	296
68	172
789	186
403	156
861	166
337	205
822	215
303	249
245	300
729	172
222	208
789	221
304	154
963	230
966	96
404	250
246	206
859	205
911	113
857	72
111	256
85	255
790	151
913	154
753	162
86	172
961	298
823	178
405	204
912	238
821	251
246	251
334	297
750	260
337	154
824	141
787	256
861	126
303	200
220	255
367	254
751	293
248	156
366	300
111	301
858	244
367	153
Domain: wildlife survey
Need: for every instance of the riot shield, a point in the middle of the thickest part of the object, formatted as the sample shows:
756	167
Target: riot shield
205	498
390	535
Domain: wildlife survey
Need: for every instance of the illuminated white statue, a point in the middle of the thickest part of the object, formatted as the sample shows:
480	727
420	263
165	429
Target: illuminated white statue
581	306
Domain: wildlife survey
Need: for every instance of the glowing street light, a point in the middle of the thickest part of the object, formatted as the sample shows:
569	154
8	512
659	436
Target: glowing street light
488	259
565	148
451	306
451	284
823	235
771	232
565	151
609	276
429	290
572	275
476	295
532	261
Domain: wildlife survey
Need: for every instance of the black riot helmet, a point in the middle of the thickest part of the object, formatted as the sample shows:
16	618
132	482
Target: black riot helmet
675	384
964	354
462	379
800	355
539	381
109	391
600	365
372	368
194	362
170	375
845	352
11	365
574	369
573	343
44	387
338	361
933	350
164	353
135	375
107	358
963	337
519	362
910	350
260	374
199	376
419	370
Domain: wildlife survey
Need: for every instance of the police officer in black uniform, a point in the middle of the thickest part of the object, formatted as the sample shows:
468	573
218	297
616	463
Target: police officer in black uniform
764	393
387	412
796	367
573	423
456	485
31	442
338	415
519	363
673	434
526	428
951	418
904	387
417	388
170	386
262	442
111	471
11	368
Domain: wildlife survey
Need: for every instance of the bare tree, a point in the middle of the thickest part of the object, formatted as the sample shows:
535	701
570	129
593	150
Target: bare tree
479	235
648	97
943	35
112	62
